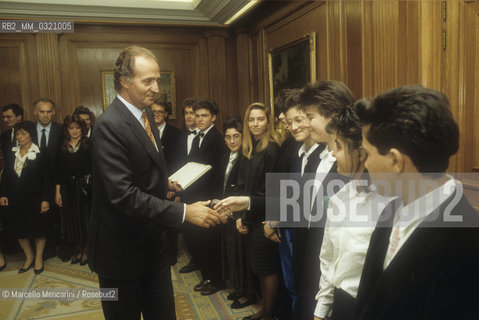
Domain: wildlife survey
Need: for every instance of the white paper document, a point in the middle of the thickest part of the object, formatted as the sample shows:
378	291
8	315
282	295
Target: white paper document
189	173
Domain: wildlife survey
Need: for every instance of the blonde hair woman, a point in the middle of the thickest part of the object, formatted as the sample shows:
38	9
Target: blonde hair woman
260	150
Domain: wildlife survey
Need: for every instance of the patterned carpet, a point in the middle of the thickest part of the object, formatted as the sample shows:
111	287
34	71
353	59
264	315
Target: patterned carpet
189	304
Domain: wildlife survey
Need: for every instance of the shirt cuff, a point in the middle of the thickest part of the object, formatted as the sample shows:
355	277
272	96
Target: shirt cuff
249	204
321	310
184	213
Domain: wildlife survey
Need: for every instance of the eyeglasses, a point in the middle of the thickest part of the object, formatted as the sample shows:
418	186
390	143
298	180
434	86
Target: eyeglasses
158	111
233	137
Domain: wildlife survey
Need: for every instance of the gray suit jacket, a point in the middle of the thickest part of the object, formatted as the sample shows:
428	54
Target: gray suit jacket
129	211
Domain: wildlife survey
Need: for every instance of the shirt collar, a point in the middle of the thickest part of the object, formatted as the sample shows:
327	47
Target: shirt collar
161	127
302	150
47	128
425	205
206	131
134	110
325	153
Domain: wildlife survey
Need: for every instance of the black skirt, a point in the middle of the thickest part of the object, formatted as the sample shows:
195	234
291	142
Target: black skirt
74	212
235	268
27	221
262	253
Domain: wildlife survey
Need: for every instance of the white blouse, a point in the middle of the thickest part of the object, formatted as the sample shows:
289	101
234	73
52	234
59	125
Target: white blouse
20	160
345	242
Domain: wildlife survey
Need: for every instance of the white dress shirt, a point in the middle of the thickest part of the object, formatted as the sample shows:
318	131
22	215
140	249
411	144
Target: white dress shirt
189	140
327	161
161	129
232	159
409	217
307	153
345	245
204	134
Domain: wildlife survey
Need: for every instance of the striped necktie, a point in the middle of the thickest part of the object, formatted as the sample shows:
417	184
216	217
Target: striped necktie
148	128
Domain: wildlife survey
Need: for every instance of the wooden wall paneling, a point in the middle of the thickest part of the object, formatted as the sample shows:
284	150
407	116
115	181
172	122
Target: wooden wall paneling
19	66
243	63
217	70
232	91
336	37
49	70
367	49
453	70
385	31
411	41
430	45
353	38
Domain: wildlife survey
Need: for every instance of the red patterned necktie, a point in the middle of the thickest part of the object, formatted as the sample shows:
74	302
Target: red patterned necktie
148	128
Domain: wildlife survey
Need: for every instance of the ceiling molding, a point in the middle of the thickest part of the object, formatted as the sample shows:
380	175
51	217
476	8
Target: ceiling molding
201	12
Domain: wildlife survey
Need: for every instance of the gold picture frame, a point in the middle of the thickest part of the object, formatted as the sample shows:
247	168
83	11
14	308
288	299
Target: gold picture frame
166	86
292	65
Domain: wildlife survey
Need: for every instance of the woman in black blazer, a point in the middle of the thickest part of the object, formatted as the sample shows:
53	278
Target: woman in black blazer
260	150
24	189
235	270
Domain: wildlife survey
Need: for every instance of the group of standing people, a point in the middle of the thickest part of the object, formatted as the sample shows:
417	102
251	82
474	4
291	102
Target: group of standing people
409	262
46	163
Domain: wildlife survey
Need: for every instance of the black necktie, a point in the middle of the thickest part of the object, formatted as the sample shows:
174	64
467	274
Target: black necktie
14	139
202	134
195	145
43	142
191	132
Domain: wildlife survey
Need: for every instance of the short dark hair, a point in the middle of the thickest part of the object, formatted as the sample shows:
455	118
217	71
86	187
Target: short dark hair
28	126
44	100
327	96
209	105
346	125
16	109
188	103
125	64
286	99
165	104
84	110
233	122
415	120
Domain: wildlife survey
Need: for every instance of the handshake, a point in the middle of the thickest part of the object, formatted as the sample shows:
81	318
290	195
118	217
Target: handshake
213	212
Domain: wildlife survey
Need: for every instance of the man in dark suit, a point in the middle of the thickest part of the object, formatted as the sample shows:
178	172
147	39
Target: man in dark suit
170	136
170	139
12	114
130	213
49	137
422	261
207	147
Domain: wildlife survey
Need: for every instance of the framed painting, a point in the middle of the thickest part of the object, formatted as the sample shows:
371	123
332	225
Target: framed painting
108	88
166	86
292	65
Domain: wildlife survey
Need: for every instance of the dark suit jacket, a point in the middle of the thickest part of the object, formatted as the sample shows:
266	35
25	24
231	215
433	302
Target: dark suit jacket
231	186
6	140
30	187
129	211
434	275
210	152
171	142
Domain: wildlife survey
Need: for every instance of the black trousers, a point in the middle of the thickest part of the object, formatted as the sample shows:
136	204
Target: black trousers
343	305
152	296
205	250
